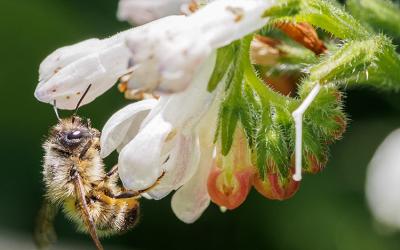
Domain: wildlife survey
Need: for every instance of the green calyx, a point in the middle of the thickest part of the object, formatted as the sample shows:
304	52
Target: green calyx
355	56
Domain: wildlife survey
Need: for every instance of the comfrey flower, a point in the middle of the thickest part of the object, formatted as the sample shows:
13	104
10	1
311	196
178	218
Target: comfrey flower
139	12
172	136
382	183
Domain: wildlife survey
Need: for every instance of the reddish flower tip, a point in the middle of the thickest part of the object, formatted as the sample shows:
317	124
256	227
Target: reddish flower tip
229	191
274	188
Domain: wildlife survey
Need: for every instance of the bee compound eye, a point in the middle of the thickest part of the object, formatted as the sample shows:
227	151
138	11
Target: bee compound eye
77	134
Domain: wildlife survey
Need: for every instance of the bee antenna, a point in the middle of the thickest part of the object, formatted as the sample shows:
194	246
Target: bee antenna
80	100
56	110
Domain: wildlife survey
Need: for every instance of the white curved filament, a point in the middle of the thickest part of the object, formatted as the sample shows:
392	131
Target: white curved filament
298	119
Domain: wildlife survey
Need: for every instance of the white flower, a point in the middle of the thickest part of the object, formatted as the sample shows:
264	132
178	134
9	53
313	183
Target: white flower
173	135
382	183
139	12
67	72
166	53
170	139
168	58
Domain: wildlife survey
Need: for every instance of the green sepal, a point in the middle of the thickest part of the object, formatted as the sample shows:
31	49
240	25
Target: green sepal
225	57
381	15
322	14
230	107
371	61
283	9
229	117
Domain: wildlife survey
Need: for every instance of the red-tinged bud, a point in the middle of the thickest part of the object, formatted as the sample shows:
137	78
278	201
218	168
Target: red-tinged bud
275	187
314	166
229	190
341	129
230	179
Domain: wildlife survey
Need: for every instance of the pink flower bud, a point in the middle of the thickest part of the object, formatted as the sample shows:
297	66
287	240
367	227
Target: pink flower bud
230	179
229	189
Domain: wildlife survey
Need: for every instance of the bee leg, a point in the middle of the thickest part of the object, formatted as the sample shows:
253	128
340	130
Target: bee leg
112	172
132	203
87	218
128	193
44	234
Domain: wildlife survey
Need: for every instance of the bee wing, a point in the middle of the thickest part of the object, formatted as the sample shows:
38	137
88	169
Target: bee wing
87	218
44	234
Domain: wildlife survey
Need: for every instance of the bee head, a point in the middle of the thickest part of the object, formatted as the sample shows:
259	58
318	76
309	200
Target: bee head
73	132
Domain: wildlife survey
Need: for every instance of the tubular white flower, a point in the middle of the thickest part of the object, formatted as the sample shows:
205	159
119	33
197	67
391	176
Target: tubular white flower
67	72
171	55
139	12
190	201
382	183
166	140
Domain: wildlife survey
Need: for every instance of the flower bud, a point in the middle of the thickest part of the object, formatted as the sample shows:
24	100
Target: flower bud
342	124
275	187
229	190
313	165
230	179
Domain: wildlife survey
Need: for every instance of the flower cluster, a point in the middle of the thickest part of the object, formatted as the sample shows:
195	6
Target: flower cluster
232	104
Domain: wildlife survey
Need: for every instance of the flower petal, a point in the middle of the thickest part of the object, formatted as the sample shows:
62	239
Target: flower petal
140	162
124	125
382	183
189	41
66	73
181	165
139	12
190	201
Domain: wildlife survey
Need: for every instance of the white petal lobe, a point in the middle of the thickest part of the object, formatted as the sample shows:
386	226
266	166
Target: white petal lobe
66	73
124	125
140	162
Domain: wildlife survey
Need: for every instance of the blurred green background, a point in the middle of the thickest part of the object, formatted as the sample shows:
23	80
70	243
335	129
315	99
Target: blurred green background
328	212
